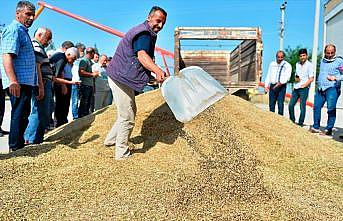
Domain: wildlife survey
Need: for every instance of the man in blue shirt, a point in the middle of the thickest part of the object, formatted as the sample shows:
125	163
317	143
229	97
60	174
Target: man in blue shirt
18	68
328	89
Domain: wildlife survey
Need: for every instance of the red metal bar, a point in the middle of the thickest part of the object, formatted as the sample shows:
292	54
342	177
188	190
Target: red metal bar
99	26
165	65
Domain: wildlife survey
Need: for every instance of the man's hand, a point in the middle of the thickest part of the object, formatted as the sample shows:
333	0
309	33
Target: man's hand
15	89
64	89
40	92
160	78
95	74
266	89
297	78
331	78
278	84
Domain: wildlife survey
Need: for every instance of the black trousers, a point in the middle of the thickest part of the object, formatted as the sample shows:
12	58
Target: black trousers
62	104
86	94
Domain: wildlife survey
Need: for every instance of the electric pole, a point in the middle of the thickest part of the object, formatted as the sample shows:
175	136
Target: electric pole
315	50
282	23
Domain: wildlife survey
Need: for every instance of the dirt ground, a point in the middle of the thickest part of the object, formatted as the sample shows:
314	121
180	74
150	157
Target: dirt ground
232	162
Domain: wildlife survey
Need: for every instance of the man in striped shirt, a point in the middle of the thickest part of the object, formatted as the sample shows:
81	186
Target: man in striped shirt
328	89
18	68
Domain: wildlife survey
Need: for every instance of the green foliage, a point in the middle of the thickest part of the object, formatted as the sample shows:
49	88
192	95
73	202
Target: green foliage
292	57
51	46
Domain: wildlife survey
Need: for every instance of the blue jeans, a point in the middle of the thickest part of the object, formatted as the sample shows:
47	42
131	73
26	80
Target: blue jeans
330	96
40	115
301	93
277	94
75	90
19	116
86	95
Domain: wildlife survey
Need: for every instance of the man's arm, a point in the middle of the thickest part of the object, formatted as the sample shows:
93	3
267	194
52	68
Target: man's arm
14	88
149	64
40	82
83	72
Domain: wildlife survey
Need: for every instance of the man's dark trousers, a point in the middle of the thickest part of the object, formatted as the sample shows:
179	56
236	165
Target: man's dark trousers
86	94
277	95
20	112
62	104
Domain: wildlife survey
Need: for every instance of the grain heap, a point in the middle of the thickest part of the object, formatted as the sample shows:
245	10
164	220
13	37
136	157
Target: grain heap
232	162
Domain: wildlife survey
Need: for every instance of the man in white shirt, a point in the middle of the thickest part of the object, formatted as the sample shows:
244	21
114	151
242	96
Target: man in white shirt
279	73
303	77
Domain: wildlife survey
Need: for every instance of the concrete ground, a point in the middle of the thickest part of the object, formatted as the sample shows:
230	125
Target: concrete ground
308	121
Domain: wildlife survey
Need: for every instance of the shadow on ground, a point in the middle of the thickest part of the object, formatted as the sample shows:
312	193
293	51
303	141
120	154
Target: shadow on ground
160	126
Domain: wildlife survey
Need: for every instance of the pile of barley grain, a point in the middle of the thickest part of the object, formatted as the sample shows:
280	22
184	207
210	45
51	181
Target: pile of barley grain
232	162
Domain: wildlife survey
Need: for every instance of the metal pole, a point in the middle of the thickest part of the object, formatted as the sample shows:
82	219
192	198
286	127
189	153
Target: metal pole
315	49
282	28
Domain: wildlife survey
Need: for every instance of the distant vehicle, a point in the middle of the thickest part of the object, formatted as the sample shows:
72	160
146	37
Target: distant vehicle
232	55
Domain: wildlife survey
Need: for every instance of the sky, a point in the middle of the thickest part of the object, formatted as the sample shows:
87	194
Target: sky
124	14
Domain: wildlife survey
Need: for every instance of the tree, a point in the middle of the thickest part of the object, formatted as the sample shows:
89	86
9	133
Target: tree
51	46
292	57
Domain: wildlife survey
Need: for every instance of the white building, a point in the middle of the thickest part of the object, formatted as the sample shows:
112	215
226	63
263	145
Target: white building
333	24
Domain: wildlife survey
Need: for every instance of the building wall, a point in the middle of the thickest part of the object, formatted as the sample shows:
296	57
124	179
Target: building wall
333	24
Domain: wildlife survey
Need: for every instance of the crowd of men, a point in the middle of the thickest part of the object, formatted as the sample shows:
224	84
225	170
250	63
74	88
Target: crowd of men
42	84
327	91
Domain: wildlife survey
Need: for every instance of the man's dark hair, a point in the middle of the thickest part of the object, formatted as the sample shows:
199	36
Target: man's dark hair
90	50
25	4
80	46
67	44
303	51
156	8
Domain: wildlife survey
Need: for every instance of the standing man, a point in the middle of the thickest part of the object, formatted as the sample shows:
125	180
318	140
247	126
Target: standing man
279	73
75	88
40	113
18	68
303	77
129	71
328	89
87	82
102	89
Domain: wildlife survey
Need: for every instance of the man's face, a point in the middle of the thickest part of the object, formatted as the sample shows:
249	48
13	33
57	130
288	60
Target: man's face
103	60
96	58
303	58
81	52
25	17
46	39
156	21
330	52
279	57
70	58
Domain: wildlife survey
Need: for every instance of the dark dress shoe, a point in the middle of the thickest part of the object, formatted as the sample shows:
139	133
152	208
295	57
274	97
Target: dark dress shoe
4	132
